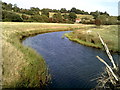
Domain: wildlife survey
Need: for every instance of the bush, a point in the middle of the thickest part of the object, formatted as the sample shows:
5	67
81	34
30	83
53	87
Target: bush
37	18
25	17
107	20
45	18
11	17
97	22
112	20
72	16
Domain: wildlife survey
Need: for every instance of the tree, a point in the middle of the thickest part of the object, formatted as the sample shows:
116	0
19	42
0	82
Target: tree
95	14
11	16
78	11
58	17
34	11
65	16
45	18
107	20
72	16
6	6
55	10
15	8
97	22
37	18
25	17
73	10
45	12
112	20
104	13
9	6
63	10
103	19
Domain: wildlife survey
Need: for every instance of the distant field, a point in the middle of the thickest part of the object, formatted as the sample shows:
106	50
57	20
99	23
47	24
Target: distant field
84	16
22	66
88	36
79	16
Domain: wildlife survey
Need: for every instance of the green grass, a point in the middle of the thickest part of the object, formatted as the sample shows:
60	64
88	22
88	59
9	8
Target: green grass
22	66
88	36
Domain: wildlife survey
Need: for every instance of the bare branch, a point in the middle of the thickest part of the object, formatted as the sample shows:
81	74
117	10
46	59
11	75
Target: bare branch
108	52
116	78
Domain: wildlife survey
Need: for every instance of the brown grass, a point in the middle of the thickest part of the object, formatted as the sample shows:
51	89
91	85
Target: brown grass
22	66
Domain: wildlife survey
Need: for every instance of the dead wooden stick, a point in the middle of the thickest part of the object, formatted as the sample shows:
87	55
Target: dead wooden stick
116	78
108	52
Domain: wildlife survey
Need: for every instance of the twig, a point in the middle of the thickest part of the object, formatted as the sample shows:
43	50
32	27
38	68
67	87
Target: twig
116	78
107	51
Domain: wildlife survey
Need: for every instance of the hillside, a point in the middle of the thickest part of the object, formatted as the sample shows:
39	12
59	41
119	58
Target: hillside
12	13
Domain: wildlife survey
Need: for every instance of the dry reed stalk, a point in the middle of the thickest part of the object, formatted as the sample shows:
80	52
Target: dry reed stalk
116	78
111	74
108	52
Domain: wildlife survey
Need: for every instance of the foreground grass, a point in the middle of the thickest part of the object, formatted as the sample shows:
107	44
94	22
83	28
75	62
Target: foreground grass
22	66
88	36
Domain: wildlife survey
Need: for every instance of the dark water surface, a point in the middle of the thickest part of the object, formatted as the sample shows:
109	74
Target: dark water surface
71	65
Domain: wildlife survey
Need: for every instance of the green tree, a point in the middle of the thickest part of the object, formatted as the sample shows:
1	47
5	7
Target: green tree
11	16
107	20
58	17
73	10
45	18
103	19
37	18
97	22
6	6
72	16
112	20
34	11
16	8
55	10
78	11
63	10
45	12
65	16
95	14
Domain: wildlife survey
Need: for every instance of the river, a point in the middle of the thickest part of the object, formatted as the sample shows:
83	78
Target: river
70	64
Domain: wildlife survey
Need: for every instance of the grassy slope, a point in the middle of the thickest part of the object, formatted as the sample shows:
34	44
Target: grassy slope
89	36
22	66
78	15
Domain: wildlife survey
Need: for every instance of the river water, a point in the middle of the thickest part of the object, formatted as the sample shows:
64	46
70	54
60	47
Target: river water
70	64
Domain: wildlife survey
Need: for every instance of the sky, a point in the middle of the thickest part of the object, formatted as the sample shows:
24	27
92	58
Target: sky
111	6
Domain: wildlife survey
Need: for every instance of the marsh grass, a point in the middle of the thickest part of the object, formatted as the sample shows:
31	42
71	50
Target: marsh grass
22	66
87	36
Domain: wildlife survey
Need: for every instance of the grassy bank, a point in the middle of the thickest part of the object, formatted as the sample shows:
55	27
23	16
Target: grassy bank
22	66
88	36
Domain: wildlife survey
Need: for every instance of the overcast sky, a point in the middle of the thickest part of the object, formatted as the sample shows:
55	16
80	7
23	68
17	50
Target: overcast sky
111	6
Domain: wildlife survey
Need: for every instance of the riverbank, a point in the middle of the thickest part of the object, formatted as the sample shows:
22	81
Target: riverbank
89	37
22	66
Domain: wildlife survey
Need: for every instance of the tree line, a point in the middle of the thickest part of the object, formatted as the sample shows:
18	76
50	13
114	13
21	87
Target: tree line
13	13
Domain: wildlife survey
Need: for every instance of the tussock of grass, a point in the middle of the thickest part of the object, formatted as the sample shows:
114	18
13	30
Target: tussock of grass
22	66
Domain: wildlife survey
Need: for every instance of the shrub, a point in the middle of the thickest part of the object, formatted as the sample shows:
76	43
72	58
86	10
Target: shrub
37	18
97	22
45	18
11	17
